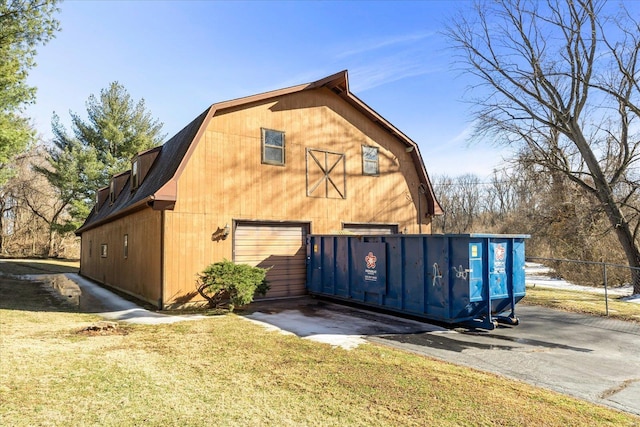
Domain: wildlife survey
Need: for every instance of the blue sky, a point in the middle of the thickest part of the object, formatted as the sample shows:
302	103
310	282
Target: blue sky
183	56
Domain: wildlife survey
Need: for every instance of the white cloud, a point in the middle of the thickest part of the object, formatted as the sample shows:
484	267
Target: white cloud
371	45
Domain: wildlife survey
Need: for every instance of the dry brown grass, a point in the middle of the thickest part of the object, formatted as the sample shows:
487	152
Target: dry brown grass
582	302
225	370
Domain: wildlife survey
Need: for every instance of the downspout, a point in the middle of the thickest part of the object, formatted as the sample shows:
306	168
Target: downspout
162	284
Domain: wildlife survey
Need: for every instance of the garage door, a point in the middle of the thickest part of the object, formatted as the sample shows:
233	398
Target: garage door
279	246
364	229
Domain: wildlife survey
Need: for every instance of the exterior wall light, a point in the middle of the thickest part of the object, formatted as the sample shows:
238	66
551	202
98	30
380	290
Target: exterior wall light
225	231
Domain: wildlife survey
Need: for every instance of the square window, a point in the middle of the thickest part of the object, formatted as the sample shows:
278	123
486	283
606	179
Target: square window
103	250
272	147
370	160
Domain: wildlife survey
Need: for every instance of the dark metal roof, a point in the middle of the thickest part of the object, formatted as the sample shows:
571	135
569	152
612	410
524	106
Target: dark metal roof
162	171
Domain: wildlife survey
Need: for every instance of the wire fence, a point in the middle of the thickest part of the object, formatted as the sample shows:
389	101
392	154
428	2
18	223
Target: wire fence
606	277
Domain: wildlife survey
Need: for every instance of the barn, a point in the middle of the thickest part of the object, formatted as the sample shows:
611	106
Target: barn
247	180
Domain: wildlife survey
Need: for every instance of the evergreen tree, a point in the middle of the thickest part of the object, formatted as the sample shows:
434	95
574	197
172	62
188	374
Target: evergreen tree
24	24
79	164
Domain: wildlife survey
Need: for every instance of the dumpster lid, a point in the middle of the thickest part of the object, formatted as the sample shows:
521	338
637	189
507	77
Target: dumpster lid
501	236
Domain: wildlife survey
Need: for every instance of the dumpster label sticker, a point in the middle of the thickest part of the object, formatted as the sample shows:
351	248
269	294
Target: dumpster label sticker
370	259
498	270
474	251
499	264
372	266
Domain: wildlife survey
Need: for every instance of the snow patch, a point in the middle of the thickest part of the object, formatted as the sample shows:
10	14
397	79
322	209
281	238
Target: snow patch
538	275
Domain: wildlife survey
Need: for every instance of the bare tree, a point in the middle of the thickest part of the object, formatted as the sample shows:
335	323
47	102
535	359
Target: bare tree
462	201
30	212
561	79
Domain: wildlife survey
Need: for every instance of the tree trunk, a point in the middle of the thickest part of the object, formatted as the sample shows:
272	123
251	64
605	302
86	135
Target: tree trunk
605	195
631	250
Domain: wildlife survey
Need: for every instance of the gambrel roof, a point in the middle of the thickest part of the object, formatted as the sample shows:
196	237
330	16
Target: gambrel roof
159	187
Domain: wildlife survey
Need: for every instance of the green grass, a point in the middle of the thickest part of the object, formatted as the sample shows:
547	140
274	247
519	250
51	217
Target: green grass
582	302
224	370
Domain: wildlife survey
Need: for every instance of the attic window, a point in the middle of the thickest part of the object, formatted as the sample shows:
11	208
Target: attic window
134	175
370	163
272	147
112	191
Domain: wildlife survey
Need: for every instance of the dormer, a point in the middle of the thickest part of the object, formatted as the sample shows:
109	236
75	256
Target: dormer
140	166
117	184
101	196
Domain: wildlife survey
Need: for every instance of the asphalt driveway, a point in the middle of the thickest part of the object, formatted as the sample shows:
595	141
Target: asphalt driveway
591	358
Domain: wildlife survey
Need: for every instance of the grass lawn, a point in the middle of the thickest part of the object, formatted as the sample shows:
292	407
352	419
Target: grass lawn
582	302
225	370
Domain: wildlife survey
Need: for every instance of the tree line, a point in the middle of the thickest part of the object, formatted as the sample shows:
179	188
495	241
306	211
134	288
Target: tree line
556	80
47	189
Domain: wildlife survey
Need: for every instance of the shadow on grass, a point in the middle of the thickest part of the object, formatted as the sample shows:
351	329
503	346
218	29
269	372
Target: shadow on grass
25	295
21	267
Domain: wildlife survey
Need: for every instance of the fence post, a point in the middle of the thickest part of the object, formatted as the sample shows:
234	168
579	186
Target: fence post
606	299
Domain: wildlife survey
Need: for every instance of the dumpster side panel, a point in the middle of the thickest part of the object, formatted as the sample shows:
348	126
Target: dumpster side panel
314	256
436	287
413	293
459	298
476	273
499	257
518	269
328	265
342	268
449	278
395	270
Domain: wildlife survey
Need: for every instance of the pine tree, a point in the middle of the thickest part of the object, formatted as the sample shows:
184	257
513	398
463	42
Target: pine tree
100	147
24	24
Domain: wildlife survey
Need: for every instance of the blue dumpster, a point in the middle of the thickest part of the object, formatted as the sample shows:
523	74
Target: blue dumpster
472	279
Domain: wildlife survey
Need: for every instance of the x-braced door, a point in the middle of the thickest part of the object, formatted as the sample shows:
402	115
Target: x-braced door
326	174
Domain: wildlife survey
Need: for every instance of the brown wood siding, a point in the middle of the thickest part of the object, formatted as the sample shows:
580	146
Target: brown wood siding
225	181
280	247
139	273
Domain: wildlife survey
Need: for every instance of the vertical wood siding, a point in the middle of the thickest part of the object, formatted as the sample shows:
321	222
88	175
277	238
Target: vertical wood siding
139	273
226	181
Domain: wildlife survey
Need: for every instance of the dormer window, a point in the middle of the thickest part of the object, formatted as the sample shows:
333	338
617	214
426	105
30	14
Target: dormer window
134	175
112	191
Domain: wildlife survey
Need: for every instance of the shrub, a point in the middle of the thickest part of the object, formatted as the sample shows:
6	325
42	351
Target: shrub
234	285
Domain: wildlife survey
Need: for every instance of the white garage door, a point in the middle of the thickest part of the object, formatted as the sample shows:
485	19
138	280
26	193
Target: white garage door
279	246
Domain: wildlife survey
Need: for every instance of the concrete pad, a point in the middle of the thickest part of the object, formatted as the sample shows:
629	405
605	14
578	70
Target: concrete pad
330	323
91	298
